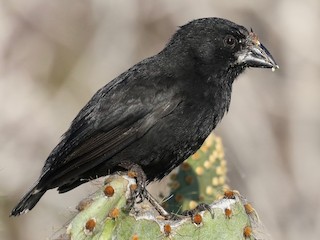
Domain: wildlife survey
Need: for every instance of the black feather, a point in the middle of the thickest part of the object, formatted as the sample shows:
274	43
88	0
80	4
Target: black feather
155	115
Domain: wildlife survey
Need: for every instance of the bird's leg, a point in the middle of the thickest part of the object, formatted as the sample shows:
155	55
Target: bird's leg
201	207
135	171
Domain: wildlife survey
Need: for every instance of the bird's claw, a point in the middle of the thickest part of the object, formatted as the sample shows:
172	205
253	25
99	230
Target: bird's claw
201	207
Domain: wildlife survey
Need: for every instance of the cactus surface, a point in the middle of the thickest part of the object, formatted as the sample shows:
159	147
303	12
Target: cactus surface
201	178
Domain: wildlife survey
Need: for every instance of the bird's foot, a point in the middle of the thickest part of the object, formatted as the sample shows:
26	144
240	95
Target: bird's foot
201	207
138	190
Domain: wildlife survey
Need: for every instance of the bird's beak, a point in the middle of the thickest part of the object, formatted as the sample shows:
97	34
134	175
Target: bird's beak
254	54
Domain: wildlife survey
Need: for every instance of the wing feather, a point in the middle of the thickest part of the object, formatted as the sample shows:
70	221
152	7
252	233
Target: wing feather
103	143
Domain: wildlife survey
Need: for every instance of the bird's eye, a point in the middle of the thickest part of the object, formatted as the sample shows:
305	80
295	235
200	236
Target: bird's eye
230	41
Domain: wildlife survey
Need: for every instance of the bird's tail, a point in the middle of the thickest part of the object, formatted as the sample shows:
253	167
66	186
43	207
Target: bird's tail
28	201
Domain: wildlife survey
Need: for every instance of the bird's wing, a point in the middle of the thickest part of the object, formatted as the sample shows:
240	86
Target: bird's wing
102	135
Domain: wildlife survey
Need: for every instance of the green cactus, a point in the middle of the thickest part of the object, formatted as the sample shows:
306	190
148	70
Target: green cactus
105	215
200	179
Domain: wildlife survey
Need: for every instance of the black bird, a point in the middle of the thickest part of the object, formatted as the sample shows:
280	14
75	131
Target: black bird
157	113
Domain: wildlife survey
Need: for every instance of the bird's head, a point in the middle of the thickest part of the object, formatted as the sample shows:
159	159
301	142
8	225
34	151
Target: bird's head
216	43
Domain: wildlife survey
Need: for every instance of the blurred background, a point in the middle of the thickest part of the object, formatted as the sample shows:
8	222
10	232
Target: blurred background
54	55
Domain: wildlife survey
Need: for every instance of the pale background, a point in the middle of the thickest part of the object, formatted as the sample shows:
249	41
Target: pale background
54	55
